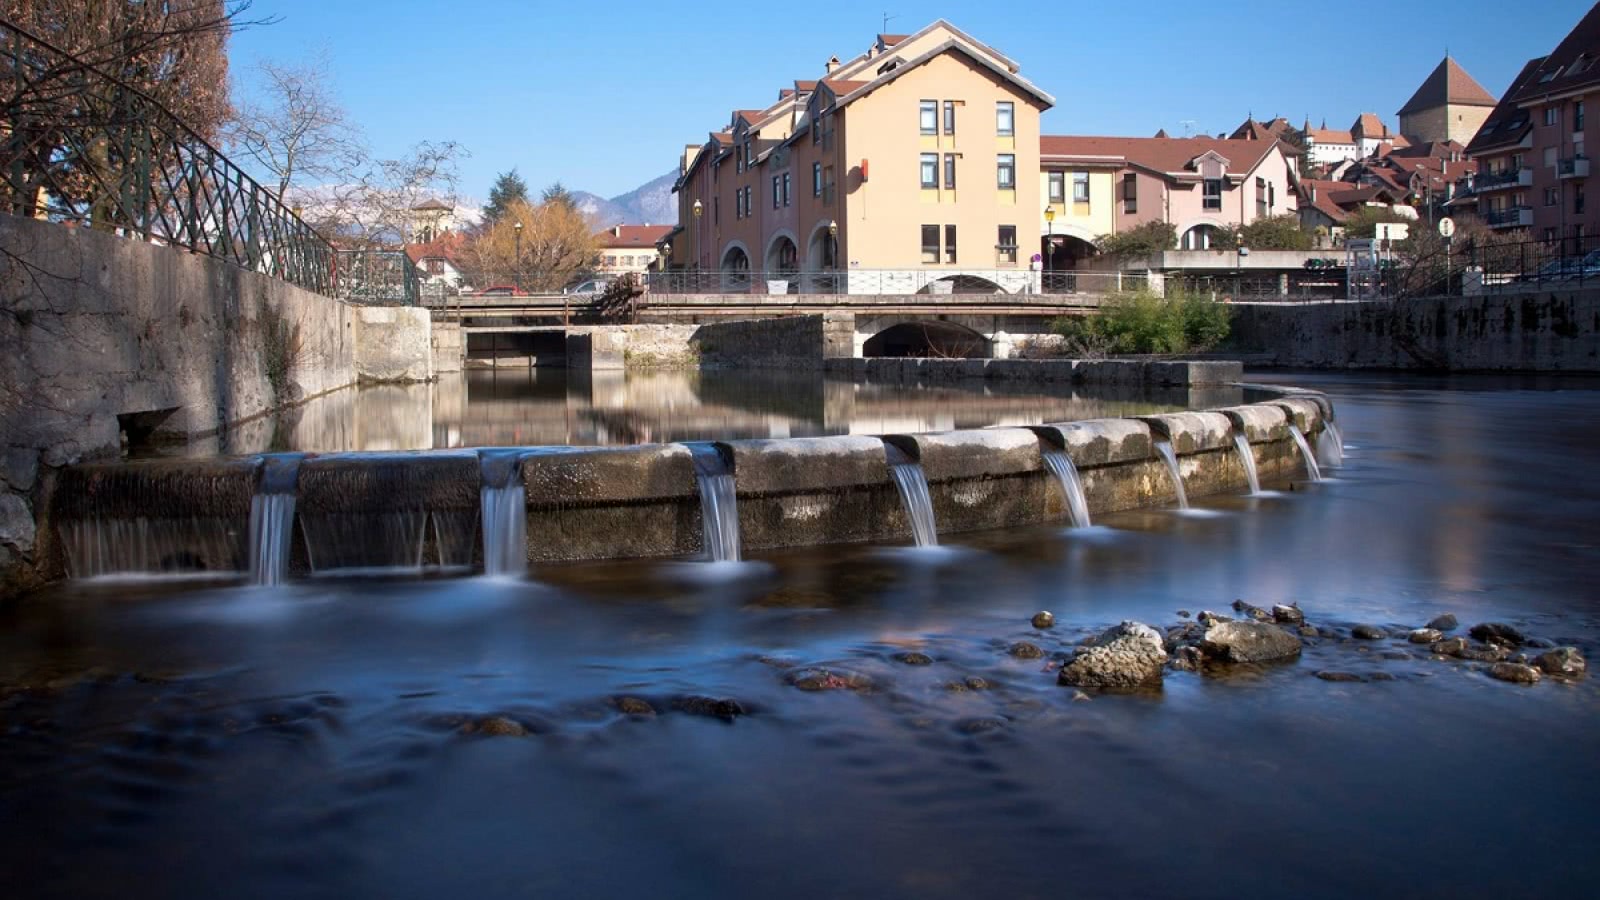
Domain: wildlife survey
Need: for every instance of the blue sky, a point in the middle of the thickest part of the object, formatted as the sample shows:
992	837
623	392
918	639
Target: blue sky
602	96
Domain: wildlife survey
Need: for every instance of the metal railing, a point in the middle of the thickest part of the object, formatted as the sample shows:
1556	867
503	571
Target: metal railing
1489	181
931	281
376	278
80	146
1526	265
1509	216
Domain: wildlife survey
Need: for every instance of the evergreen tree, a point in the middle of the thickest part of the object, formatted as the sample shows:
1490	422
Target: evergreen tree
558	193
508	188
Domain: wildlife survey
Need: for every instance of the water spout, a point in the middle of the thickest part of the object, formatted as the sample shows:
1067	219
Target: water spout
272	519
719	502
1060	465
1305	452
1330	445
1171	459
913	487
1248	460
503	505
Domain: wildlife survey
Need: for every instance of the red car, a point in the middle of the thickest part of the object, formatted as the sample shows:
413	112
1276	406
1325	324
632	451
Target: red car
499	290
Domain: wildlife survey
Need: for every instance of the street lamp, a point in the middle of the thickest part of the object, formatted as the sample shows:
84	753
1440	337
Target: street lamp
517	227
1050	241
831	258
699	239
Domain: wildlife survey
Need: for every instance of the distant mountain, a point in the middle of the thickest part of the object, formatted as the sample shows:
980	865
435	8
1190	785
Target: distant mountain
650	203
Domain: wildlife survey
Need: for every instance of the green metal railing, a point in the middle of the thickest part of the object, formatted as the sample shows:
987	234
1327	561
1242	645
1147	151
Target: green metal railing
80	146
377	278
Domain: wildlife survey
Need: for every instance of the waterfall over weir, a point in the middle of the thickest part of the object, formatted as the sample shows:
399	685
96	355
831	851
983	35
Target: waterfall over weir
913	488
1171	459
1312	469
1060	465
272	519
504	509
1248	460
719	503
1330	445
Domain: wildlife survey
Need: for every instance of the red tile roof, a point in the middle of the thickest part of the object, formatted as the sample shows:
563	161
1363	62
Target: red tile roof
448	248
632	237
1330	136
1167	155
1448	83
889	40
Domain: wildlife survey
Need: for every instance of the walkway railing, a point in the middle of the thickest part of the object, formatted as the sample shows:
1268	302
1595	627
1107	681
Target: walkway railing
377	278
80	146
892	282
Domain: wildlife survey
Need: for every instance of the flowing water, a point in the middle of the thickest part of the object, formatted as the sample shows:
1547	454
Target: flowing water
503	503
1330	445
719	503
98	548
390	540
272	519
1313	471
1248	460
913	488
615	729
1066	474
1171	459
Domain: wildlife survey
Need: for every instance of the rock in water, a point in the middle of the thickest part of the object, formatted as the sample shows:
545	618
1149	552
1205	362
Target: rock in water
1446	622
1025	650
1249	642
1288	615
1425	636
1044	619
1369	632
1497	633
634	706
1514	672
1129	655
1326	675
726	709
500	726
1562	661
914	658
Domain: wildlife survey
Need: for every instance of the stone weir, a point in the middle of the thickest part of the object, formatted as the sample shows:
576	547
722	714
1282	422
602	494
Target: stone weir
422	511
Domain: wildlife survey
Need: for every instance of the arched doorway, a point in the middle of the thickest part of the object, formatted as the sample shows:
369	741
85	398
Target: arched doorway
930	339
783	263
1199	237
822	260
735	268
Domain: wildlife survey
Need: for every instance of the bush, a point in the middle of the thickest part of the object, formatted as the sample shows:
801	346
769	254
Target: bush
1143	240
1143	322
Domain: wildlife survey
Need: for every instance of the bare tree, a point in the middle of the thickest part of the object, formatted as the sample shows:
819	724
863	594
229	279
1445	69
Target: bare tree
372	205
299	131
555	246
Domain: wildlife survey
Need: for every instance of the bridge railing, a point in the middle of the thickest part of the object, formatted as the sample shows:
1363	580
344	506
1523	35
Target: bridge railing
934	281
377	278
80	146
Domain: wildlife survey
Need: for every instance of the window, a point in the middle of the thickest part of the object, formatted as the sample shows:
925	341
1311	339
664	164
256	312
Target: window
949	117
1058	188
1213	194
1549	235
1006	172
930	170
1516	162
1130	194
611	259
777	196
1577	198
929	116
1005	118
1552	115
1577	116
949	243
786	189
1261	197
1550	157
1080	187
1006	248
1551	196
816	179
950	171
930	243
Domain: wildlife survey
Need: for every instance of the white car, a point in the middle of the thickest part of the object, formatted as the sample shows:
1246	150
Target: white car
591	288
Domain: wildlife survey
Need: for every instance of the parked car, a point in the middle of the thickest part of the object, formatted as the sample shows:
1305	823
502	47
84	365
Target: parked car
499	290
592	287
1567	268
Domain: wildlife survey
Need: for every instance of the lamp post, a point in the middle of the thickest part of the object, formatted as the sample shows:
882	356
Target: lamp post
832	260
699	239
517	265
664	261
1050	239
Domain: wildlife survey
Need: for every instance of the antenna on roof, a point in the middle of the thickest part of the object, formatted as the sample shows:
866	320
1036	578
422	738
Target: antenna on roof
886	18
1188	127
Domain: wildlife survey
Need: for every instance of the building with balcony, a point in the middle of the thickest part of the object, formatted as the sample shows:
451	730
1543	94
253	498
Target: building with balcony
913	163
1540	128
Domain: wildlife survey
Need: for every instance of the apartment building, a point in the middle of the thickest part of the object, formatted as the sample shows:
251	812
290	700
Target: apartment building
1501	155
625	249
1198	185
913	163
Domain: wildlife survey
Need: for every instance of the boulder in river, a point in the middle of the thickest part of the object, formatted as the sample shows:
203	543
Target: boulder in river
1025	650
1562	661
1446	622
1129	655
1497	633
1516	673
1249	642
1368	633
1044	619
1425	636
1288	615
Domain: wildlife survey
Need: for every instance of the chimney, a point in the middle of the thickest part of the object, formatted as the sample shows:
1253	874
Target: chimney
616	230
1313	193
833	63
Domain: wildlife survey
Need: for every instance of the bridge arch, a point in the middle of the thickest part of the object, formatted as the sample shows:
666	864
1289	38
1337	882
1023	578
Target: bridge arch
927	338
964	283
1197	234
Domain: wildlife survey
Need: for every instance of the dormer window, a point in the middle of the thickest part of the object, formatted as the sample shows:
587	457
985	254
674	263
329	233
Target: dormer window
1212	197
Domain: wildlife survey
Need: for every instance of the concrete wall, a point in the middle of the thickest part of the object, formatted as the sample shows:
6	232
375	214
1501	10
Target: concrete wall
110	340
449	346
1533	331
393	343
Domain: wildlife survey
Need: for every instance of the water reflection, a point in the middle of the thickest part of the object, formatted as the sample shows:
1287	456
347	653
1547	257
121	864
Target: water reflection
533	406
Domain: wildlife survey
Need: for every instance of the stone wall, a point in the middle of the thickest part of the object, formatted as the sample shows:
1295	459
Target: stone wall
393	343
1531	331
112	341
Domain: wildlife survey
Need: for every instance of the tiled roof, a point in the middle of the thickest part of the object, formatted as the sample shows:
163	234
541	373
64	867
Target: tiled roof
1448	83
1330	136
1571	65
1369	125
889	40
843	87
1508	122
432	204
447	248
1167	155
632	237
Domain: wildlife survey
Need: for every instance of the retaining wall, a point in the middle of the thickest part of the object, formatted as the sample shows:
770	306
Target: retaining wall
1532	331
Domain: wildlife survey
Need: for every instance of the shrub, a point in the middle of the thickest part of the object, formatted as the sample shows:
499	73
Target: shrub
1142	240
1143	322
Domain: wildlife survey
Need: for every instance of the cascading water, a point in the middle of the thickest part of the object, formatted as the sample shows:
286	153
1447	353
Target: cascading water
719	503
1248	460
272	519
1330	445
1305	452
913	488
1170	457
503	500
1060	465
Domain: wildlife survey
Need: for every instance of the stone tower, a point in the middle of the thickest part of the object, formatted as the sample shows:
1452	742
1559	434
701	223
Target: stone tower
1449	106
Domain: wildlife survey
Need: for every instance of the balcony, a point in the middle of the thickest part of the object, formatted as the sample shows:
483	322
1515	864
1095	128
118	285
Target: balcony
1515	217
1573	167
1502	180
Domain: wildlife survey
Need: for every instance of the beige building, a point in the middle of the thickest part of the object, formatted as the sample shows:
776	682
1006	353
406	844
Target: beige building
629	248
912	166
1449	106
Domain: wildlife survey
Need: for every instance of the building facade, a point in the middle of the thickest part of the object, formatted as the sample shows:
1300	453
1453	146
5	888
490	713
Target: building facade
629	249
1449	106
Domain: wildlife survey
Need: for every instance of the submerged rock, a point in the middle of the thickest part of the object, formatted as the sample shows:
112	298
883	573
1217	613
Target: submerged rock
1288	615
1425	636
497	726
1498	633
1249	642
1025	650
1539	643
981	725
820	679
914	658
1338	676
1044	619
1514	672
633	706
1129	655
1187	659
1368	633
1446	622
723	708
1207	617
1254	612
1562	661
1308	631
1450	646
